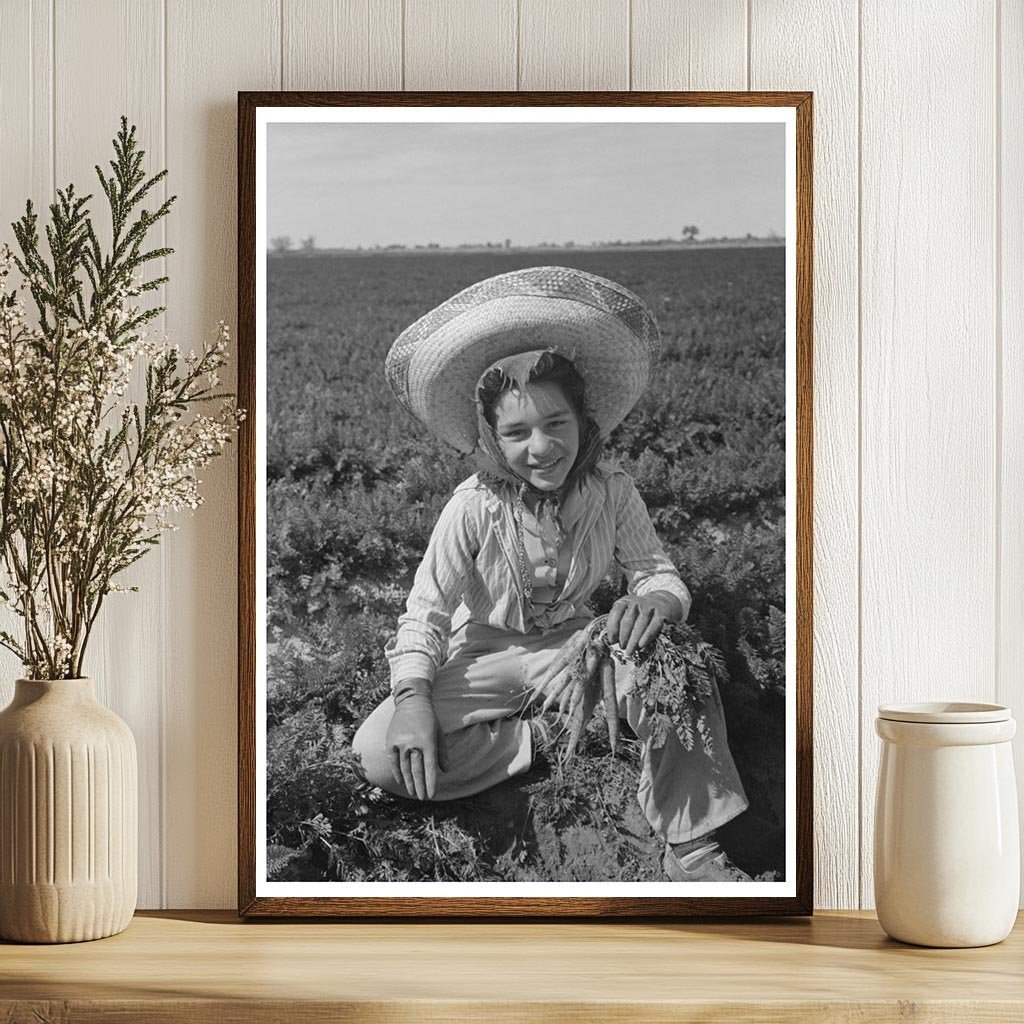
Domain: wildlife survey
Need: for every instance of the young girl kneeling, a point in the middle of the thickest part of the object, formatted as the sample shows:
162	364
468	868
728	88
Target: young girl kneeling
531	371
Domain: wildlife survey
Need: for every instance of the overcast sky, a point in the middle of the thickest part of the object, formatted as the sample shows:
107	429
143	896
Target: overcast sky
412	184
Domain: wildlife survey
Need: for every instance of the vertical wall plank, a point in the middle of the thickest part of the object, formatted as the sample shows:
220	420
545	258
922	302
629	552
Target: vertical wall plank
928	364
213	50
1010	215
781	59
574	44
26	168
125	653
460	44
342	44
689	44
129	80
26	107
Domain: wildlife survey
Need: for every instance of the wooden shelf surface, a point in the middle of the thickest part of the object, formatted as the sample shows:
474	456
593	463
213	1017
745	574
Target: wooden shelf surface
200	966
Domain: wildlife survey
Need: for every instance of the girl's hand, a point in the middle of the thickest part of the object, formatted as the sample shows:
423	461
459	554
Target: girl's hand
415	743
634	622
555	684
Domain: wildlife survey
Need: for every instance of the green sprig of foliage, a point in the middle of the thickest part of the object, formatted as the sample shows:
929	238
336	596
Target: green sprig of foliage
88	476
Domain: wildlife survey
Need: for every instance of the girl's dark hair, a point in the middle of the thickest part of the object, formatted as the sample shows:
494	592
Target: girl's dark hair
550	368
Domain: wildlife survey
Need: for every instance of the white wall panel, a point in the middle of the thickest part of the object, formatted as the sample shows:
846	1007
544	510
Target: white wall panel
125	655
780	59
573	44
26	168
342	44
214	50
919	460
1010	313
928	406
459	44
26	108
689	44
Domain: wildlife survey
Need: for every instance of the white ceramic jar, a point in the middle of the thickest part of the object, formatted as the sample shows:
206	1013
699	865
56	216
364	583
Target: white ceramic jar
947	847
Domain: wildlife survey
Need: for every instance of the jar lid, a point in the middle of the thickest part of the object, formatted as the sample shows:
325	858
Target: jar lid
944	712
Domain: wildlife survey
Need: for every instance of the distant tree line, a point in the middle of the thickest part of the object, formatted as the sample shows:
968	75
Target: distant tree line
280	244
283	243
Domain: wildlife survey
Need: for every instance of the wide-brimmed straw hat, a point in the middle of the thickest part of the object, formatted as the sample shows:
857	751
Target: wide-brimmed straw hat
434	365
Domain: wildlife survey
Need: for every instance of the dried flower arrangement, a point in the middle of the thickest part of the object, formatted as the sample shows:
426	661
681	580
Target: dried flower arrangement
88	477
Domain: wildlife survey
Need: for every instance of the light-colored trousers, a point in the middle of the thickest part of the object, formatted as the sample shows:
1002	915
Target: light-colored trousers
483	688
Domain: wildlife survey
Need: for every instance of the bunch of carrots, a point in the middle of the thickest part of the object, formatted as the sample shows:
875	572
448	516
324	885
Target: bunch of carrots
674	676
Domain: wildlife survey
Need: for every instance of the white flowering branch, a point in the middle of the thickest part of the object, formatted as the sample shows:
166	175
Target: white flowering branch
89	479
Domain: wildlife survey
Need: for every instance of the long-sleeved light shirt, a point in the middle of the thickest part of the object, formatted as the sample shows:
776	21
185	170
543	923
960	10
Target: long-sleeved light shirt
471	568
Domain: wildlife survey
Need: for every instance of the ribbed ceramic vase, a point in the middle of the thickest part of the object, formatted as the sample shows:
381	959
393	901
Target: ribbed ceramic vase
68	815
947	846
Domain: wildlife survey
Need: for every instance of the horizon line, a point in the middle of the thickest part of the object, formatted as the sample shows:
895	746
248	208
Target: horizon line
507	246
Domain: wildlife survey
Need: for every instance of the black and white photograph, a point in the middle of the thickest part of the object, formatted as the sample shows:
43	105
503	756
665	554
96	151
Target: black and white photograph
525	475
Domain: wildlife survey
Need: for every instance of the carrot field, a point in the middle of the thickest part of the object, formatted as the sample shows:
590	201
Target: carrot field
354	487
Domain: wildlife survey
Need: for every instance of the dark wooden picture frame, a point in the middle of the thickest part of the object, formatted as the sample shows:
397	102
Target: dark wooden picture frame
254	905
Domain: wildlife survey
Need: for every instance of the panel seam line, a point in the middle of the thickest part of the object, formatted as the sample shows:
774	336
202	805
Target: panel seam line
629	45
162	701
750	19
860	459
519	30
53	100
997	169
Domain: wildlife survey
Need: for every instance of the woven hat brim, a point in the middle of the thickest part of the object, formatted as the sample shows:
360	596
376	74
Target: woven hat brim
442	374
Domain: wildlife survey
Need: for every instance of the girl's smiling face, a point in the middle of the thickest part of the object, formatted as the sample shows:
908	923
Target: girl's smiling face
538	434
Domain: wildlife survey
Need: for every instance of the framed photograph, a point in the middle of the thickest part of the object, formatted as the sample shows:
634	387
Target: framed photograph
525	500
